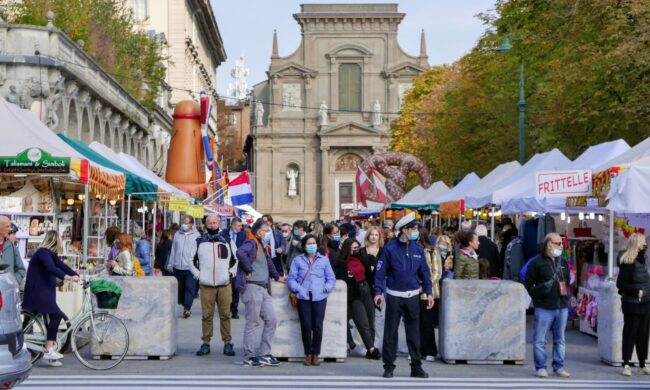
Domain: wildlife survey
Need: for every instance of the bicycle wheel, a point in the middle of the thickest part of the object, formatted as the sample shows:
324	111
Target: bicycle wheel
100	342
34	334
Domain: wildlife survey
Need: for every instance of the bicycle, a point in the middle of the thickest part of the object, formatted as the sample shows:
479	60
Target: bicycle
98	339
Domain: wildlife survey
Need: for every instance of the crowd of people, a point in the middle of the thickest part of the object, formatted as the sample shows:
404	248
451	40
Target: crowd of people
397	267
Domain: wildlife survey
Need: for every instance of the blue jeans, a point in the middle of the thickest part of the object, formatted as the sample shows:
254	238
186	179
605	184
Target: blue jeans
555	321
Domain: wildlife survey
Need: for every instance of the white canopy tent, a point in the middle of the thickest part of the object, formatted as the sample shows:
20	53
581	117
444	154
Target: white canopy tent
629	189
489	194
523	200
134	166
456	193
419	197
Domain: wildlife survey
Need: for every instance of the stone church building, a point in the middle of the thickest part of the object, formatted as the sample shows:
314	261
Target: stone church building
326	107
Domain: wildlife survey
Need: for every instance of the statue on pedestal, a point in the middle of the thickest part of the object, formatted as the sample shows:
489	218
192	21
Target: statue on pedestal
292	176
259	113
376	114
322	113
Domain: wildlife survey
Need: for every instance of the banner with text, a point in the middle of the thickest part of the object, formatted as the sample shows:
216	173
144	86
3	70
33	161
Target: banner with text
560	184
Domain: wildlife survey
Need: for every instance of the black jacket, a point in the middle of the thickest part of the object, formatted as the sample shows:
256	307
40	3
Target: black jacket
341	273
489	251
632	278
540	270
163	250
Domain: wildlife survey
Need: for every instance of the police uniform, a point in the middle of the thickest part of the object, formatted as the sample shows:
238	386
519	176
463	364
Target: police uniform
401	270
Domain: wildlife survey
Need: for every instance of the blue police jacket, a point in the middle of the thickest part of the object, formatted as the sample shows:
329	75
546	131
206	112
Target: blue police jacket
320	281
402	266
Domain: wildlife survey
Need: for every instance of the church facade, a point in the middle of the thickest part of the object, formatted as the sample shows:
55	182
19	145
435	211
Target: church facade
326	107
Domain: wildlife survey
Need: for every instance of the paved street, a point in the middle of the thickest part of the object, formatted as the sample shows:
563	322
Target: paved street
186	370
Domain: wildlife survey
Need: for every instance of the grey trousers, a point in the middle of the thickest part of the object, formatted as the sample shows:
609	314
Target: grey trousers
259	308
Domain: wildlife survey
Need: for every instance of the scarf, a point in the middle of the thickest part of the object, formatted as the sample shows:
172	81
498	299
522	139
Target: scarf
469	252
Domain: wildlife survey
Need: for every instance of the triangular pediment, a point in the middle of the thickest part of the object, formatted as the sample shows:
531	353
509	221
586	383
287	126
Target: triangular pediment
405	68
350	128
292	68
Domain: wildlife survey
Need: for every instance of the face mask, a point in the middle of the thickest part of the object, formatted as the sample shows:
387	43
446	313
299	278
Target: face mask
185	227
414	235
555	252
212	232
355	252
285	234
296	232
311	249
268	236
443	248
336	238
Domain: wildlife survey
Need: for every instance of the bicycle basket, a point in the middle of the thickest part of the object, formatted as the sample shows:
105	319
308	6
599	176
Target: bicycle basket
107	293
107	300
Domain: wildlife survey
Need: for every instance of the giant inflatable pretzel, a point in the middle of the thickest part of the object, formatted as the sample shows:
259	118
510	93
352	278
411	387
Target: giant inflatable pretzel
395	167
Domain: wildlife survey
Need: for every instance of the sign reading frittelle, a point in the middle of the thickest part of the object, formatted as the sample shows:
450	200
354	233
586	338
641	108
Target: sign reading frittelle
560	184
34	160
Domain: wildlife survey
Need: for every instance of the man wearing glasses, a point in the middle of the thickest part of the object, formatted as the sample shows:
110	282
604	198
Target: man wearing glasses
547	282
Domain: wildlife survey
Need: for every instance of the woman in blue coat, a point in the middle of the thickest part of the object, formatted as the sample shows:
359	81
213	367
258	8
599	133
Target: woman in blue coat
312	279
40	288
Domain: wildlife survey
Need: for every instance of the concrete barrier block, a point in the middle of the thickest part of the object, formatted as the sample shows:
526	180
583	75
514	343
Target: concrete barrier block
610	326
148	309
483	321
288	341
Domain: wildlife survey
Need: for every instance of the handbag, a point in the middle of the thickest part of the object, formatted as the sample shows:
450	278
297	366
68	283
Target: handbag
293	298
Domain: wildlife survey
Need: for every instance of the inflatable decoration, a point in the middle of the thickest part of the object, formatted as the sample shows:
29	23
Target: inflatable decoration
395	167
189	150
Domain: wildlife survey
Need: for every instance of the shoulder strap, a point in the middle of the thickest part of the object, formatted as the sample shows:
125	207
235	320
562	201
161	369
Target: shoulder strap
308	271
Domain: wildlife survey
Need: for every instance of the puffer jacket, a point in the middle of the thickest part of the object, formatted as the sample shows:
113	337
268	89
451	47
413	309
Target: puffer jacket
632	278
216	261
183	250
465	267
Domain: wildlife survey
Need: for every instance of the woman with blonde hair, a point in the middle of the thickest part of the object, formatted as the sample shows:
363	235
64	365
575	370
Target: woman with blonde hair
634	286
45	267
123	264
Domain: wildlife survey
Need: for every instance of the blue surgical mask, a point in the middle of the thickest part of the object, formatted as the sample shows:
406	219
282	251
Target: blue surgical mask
414	235
268	236
336	238
185	227
296	232
311	248
443	248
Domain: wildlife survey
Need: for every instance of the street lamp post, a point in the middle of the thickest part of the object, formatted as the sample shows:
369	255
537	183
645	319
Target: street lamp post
506	46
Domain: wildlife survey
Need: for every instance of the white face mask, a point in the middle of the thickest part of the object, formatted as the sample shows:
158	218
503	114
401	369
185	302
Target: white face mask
556	252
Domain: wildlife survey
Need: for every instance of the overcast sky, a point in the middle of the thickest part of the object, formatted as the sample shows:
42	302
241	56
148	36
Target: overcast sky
247	26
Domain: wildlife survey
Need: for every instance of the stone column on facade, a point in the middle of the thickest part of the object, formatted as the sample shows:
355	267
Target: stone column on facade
325	181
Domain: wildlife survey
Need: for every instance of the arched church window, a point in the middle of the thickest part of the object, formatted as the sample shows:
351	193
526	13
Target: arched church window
350	87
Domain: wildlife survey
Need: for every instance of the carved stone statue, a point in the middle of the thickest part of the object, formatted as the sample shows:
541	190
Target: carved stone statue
13	95
376	114
292	176
239	73
259	113
323	114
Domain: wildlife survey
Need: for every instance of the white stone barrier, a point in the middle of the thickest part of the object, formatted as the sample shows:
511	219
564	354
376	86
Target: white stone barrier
148	309
483	321
288	340
610	326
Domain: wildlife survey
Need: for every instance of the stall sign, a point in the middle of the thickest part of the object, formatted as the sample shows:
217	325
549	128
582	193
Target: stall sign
225	210
560	184
34	160
195	211
177	203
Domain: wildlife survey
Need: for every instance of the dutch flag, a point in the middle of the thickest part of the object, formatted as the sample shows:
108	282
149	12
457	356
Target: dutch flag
240	190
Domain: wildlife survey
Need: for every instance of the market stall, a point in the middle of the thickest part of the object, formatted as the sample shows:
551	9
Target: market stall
420	198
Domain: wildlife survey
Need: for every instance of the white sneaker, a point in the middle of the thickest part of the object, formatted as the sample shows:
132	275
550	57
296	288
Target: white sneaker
626	371
542	373
562	373
53	363
52	355
430	358
645	370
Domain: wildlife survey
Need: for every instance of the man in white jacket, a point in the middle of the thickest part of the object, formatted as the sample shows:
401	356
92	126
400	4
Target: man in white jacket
216	262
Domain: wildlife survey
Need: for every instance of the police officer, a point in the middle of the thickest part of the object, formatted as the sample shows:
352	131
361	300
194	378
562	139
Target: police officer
401	271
